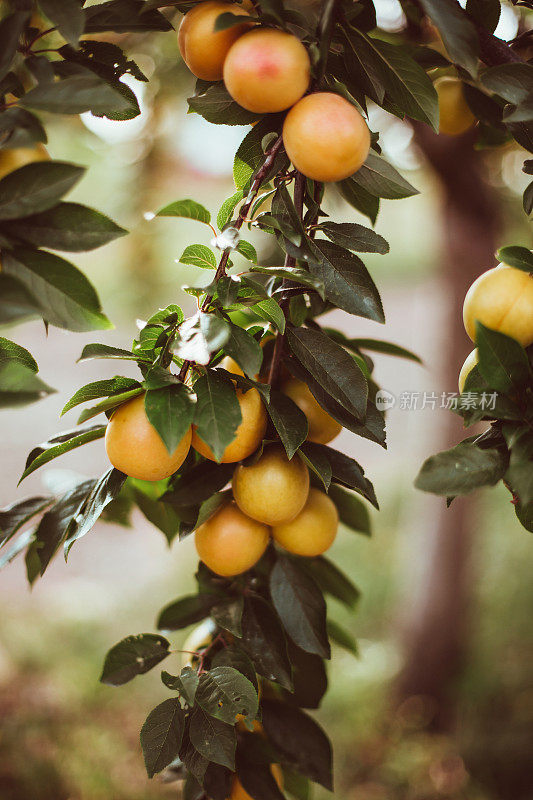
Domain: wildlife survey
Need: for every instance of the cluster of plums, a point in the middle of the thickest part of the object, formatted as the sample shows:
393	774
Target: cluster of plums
501	299
265	71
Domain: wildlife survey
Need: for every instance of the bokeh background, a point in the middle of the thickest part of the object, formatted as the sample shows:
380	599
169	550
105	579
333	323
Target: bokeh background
440	702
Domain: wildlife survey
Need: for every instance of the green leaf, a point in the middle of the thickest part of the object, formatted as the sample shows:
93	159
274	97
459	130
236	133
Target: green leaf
249	156
133	656
461	470
457	30
216	106
67	16
355	237
245	350
198	255
108	403
80	92
381	179
60	444
98	350
14	516
518	257
104	491
198	483
223	693
160	514
331	580
19	385
345	470
186	683
341	637
194	516
347	281
300	606
309	677
228	615
485	12
270	310
233	656
186	611
64	296
301	742
161	735
294	274
11	28
189	209
377	346
247	250
214	740
503	362
352	511
264	641
316	460
256	778
170	410
67	226
227	208
519	474
105	388
36	187
513	82
289	421
360	199
218	413
124	16
332	367
200	336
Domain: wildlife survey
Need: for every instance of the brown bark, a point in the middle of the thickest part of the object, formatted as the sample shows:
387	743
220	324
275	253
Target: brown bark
435	629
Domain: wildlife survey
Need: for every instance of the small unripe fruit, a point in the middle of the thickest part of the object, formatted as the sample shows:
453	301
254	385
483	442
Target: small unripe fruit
11	160
203	49
267	70
238	792
230	542
470	362
501	299
313	531
274	489
249	434
134	446
326	137
455	116
322	427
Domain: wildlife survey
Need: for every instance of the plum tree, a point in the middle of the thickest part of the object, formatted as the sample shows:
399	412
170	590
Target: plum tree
249	433
230	543
12	159
501	299
322	427
313	530
455	114
202	47
134	446
470	362
274	489
267	70
325	137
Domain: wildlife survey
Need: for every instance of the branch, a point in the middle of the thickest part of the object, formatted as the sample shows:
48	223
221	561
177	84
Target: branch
243	213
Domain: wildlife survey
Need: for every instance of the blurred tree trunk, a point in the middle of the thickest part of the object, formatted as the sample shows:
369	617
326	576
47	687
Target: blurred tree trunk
435	628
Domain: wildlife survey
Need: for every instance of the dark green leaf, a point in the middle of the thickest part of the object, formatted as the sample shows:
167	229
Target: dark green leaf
109	403
11	28
485	12
133	656
360	199
289	421
317	460
186	611
300	741
300	606
104	491
461	470
60	444
223	692
331	580
513	82
245	350
199	483
170	410
228	615
503	362
160	514
98	350
79	92
218	413
309	677
520	475
216	105
67	16
161	735
355	237
341	637
124	16
518	257
14	516
332	367
457	30
186	683
36	187
214	740
345	470
378	346
264	641
352	511
381	179
105	388
67	226
19	385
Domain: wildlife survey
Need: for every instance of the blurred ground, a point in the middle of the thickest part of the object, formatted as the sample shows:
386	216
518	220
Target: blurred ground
65	736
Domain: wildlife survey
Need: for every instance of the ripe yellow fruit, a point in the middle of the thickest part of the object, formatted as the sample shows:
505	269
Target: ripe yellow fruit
274	489
228	363
470	362
455	114
238	792
326	137
249	434
134	446
11	160
313	531
267	70
322	427
199	638
204	49
230	542
501	299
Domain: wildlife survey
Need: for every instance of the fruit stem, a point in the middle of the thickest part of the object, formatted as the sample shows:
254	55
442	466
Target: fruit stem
258	180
